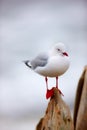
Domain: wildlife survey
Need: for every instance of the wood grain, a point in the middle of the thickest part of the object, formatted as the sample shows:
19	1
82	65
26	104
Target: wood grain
57	116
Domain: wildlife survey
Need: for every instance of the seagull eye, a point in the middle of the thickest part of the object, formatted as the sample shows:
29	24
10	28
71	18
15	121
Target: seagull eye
58	49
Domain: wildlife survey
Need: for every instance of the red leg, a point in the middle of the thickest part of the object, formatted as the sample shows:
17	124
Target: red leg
46	79
57	86
56	82
49	93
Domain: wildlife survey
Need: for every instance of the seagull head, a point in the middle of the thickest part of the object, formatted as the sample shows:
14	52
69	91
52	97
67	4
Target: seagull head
59	49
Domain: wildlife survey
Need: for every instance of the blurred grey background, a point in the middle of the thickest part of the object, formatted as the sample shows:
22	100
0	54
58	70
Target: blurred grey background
28	27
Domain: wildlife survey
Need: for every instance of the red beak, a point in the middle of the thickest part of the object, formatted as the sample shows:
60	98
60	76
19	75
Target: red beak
65	54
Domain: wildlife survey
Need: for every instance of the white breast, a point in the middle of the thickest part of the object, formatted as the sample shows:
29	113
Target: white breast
56	66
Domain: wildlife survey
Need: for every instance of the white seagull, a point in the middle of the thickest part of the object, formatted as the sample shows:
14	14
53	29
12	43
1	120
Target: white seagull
51	64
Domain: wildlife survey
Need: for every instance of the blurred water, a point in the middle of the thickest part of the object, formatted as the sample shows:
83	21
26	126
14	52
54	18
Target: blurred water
27	28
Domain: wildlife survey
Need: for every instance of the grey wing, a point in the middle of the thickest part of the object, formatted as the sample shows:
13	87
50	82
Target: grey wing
40	61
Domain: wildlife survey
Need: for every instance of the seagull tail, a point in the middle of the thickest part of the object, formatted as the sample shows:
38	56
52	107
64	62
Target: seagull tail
27	63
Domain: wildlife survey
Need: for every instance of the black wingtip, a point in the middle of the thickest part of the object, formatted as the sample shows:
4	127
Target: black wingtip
26	63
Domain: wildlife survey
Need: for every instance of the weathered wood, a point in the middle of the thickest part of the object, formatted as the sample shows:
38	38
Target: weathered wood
80	109
57	116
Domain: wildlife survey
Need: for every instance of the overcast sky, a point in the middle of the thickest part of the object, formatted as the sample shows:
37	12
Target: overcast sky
28	28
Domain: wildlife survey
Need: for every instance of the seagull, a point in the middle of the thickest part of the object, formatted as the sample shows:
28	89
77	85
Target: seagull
53	63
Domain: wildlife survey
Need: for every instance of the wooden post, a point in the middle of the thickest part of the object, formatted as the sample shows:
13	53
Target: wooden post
80	109
57	116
